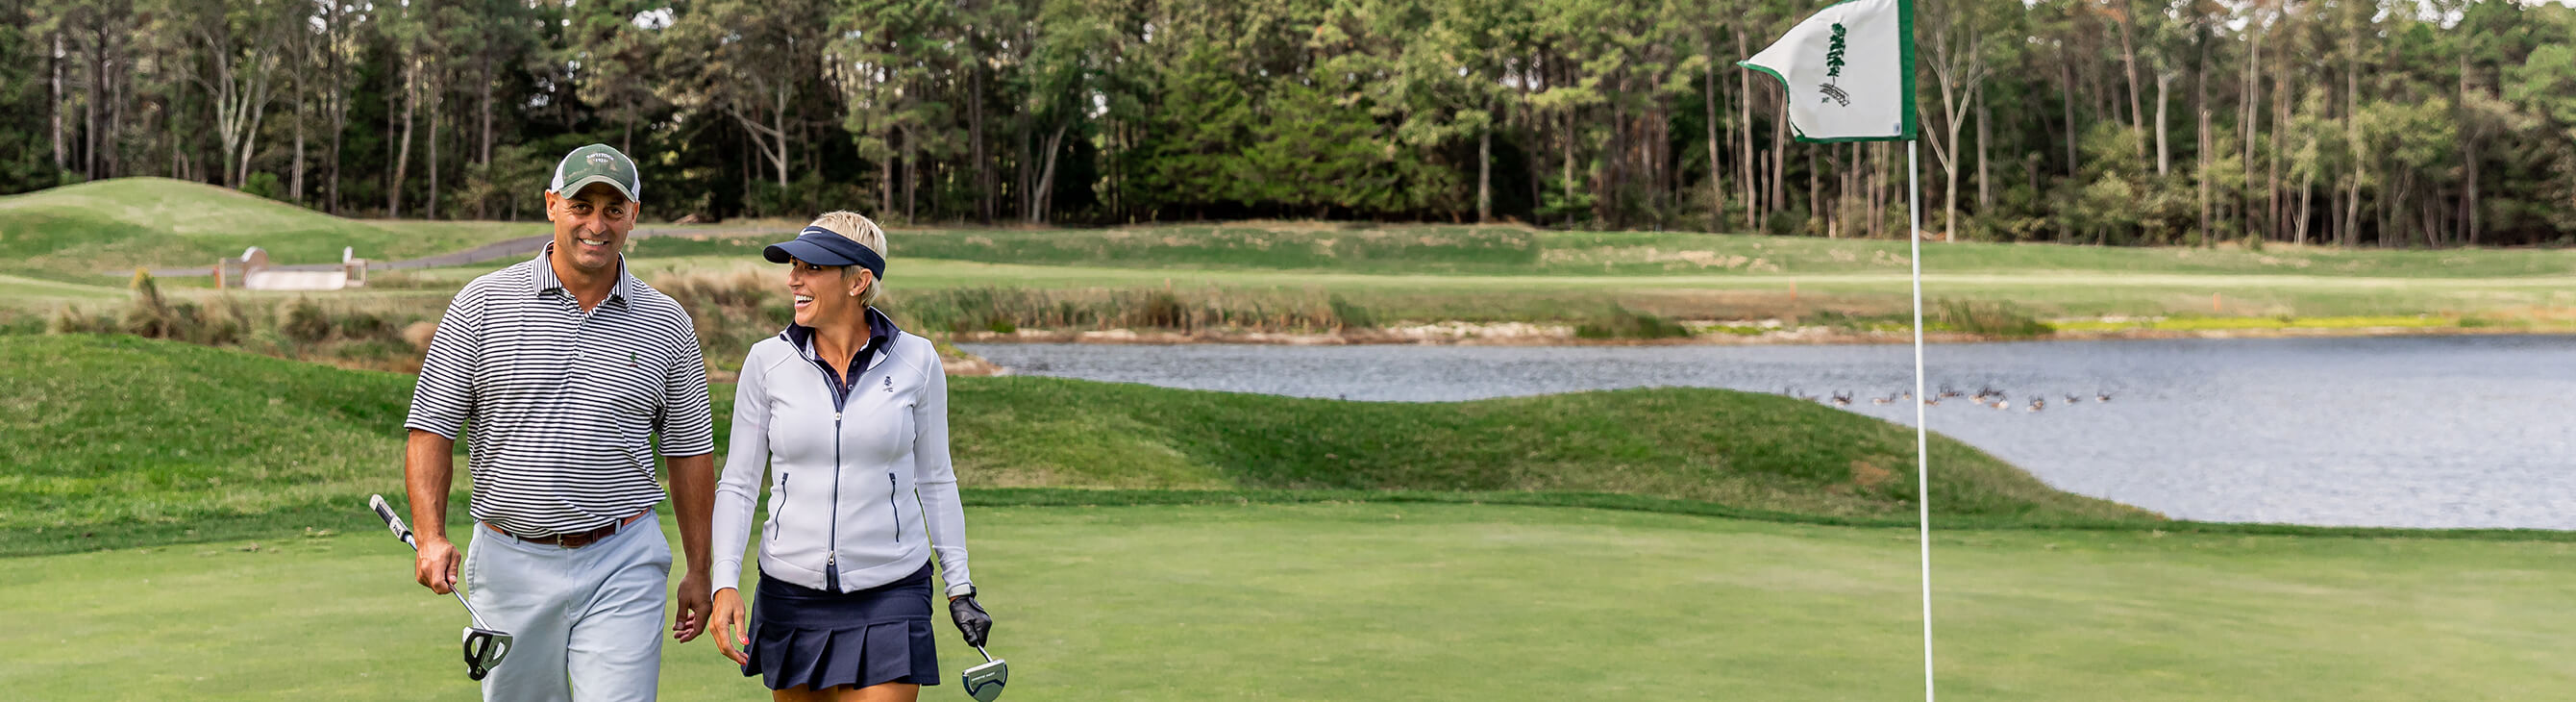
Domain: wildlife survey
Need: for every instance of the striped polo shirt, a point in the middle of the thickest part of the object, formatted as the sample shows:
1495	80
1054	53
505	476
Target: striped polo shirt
564	405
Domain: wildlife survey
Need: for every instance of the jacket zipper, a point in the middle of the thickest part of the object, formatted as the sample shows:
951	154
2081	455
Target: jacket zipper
831	558
895	507
832	541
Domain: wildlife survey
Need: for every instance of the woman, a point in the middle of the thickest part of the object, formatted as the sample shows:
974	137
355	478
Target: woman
850	417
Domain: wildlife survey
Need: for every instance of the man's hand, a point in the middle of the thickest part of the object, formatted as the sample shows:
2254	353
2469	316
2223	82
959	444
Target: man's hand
435	566
428	461
970	618
728	615
694	608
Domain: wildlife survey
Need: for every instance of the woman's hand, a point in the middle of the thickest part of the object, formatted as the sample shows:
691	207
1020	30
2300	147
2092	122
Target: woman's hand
729	614
971	619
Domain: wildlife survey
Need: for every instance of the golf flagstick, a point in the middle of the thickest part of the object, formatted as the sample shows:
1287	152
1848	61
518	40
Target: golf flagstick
1922	436
484	646
1848	76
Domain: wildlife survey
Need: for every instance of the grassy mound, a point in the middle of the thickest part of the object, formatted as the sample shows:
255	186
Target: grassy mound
76	231
126	440
1749	451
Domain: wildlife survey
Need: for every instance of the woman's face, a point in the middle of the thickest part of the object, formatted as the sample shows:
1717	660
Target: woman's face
822	292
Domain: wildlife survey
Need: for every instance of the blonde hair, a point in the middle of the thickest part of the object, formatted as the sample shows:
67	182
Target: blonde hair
856	227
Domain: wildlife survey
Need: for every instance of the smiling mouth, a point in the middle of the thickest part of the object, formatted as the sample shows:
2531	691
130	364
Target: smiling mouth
593	242
803	300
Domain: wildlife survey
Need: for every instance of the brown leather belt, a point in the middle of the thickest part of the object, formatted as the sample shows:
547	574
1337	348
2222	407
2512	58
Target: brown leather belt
575	539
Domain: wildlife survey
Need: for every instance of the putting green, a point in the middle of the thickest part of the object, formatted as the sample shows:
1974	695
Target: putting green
1368	601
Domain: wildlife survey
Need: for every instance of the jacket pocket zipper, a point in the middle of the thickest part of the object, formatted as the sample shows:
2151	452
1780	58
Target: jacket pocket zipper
896	507
778	516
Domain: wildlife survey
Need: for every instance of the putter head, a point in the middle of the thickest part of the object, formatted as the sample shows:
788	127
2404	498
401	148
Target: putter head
984	682
484	649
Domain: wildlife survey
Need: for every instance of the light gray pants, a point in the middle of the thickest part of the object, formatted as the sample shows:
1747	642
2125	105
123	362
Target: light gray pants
586	622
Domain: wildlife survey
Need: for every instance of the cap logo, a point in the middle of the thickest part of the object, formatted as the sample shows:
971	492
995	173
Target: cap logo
600	159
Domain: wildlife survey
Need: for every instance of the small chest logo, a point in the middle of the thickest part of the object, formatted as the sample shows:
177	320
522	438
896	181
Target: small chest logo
889	384
630	359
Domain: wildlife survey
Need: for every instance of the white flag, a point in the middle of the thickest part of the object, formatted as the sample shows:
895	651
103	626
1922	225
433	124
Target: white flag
1849	70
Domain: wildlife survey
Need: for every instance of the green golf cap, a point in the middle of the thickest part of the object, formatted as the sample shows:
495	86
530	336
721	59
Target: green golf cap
597	163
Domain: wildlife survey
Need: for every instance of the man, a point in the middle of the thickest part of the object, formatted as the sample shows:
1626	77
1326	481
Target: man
567	368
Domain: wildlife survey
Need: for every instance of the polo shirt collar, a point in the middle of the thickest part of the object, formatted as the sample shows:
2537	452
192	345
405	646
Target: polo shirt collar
545	279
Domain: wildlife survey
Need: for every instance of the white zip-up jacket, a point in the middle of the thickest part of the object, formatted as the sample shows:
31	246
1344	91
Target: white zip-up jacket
860	488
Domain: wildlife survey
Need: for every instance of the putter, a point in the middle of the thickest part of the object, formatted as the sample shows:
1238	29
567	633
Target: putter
484	646
984	682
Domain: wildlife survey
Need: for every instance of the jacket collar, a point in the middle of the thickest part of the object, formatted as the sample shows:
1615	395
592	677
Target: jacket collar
881	331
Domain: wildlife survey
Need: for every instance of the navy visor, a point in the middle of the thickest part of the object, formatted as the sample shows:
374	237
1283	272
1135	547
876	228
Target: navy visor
821	246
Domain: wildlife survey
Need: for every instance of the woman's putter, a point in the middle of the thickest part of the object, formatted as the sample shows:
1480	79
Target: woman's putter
484	647
984	682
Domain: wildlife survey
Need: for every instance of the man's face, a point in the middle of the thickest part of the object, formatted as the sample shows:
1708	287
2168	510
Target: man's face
591	225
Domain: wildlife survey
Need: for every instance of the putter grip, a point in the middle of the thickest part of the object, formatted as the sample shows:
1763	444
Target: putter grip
377	502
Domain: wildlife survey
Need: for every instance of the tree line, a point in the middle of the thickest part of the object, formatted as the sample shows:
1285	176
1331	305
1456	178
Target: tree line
2124	122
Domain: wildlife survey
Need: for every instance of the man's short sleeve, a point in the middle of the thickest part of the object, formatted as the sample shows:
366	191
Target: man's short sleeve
686	424
444	397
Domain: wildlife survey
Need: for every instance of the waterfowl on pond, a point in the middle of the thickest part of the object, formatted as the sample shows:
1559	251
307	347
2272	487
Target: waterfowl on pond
1842	399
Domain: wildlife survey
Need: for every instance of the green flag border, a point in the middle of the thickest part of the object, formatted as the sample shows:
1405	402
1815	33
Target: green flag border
1905	26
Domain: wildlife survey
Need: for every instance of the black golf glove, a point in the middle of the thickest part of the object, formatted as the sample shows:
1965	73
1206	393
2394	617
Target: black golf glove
971	619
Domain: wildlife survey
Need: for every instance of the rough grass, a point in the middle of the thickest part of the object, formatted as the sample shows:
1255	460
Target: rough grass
1504	250
141	440
1573	297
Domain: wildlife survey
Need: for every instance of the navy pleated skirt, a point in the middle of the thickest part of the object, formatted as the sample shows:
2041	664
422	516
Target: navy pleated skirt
821	639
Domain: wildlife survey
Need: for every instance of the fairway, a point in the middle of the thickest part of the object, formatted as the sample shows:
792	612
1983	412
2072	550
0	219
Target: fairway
1435	602
76	232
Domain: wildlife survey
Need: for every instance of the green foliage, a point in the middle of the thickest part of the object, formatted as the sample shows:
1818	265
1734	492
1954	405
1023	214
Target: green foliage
264	184
1622	323
1991	319
1351	316
305	322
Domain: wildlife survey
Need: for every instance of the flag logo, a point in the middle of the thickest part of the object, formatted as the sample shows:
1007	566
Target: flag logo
1834	68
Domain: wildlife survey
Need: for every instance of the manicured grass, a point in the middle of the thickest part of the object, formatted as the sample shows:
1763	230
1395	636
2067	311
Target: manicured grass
1439	602
128	441
74	232
24	292
1400	274
2227	323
